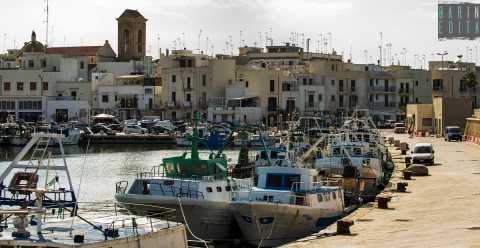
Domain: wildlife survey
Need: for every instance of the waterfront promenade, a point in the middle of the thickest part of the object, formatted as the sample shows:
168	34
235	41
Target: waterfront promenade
440	210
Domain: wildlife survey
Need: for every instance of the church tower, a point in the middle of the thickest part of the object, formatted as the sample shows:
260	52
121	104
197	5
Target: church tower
131	35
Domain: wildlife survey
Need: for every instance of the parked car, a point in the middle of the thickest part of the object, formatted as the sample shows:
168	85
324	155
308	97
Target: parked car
99	128
399	127
423	153
134	129
116	127
390	123
453	133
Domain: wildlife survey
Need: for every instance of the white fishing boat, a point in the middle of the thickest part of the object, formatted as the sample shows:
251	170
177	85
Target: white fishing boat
200	189
288	203
39	208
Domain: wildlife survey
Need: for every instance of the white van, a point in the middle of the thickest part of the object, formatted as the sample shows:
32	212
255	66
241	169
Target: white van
423	153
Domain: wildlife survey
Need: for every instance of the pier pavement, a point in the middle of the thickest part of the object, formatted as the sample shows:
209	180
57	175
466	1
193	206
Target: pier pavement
440	210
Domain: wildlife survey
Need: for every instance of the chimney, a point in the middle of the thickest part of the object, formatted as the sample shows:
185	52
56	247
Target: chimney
308	45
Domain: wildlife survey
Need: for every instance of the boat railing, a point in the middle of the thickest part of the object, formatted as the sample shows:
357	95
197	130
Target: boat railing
121	187
148	217
155	171
273	197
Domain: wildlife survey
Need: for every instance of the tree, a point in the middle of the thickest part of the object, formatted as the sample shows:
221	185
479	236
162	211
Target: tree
470	80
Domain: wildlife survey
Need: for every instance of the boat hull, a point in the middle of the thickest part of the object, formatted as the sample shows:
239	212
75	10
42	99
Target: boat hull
270	224
209	220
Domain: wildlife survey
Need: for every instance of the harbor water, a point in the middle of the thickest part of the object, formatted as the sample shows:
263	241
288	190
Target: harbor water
104	165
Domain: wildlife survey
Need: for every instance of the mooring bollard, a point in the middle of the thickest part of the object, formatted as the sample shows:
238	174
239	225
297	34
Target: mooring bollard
383	201
407	175
343	227
402	187
408	160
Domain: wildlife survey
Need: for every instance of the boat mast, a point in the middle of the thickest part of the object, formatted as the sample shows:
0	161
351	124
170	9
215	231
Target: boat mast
195	138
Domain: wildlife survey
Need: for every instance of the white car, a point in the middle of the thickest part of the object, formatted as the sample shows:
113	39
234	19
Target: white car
134	129
423	153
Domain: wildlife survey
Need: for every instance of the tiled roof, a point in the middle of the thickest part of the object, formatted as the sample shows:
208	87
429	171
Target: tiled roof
74	51
130	13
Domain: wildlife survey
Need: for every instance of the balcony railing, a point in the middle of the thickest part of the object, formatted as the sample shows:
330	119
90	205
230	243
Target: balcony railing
383	104
390	89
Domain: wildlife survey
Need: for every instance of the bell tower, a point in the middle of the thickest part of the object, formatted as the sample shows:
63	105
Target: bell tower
131	35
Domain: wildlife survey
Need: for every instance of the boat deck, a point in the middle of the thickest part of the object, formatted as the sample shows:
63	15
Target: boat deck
60	232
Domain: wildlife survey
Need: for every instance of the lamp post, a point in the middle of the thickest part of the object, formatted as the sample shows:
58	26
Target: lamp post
443	54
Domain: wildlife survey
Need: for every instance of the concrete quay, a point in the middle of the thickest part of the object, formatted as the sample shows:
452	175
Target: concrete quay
439	210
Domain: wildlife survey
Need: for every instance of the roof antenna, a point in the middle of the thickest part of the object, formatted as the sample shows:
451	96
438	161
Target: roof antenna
46	20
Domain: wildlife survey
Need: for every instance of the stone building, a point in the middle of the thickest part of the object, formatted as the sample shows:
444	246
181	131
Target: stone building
131	35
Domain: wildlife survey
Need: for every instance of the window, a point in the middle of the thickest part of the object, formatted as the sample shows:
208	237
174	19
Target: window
174	78
371	82
438	84
416	83
333	67
310	100
140	41
20	86
246	84
332	98
189	97
174	97
371	98
30	64
7	86
148	91
272	85
73	94
333	82
272	104
82	65
340	85
44	63
352	85
340	100
219	189
320	97
304	81
126	39
310	81
189	83
104	98
33	86
204	80
209	189
427	122
228	188
45	85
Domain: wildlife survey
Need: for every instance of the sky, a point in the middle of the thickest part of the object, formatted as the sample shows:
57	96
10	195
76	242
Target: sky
351	27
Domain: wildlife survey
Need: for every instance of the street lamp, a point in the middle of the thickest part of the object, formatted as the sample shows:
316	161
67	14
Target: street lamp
443	54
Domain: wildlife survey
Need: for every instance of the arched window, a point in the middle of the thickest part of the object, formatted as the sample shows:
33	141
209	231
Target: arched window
139	41
126	38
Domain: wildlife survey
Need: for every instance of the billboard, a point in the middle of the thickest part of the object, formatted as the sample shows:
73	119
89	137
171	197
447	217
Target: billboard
458	20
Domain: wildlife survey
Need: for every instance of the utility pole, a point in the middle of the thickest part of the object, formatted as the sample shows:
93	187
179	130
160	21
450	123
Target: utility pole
46	31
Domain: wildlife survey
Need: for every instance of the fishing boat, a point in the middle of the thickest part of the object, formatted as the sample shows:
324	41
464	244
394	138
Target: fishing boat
357	152
200	189
287	203
39	208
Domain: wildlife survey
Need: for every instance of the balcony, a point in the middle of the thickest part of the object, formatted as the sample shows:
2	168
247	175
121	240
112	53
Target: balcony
405	91
383	104
383	89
